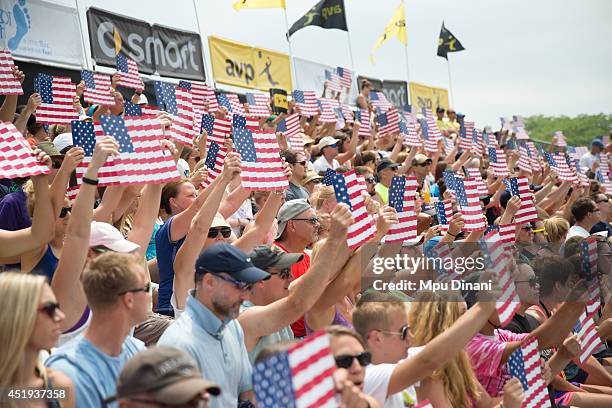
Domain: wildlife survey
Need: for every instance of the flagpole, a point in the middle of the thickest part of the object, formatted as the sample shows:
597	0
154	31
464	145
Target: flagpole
406	57
350	47
450	83
195	9
84	48
292	63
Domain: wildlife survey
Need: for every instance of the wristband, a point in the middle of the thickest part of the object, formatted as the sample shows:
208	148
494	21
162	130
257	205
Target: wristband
454	236
90	181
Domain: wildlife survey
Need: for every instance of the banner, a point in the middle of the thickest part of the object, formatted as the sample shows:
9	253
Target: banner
377	84
430	97
310	76
396	92
168	51
244	66
42	31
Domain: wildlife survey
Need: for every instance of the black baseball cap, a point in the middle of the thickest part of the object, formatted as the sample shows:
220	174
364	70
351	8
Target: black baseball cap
268	256
226	258
386	163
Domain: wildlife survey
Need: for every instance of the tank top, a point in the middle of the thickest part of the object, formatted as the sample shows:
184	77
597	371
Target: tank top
47	264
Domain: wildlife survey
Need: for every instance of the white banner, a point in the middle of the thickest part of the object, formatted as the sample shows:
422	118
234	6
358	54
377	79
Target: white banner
41	30
311	77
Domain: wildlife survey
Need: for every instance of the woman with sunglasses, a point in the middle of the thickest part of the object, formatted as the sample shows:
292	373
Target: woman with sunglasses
32	325
555	231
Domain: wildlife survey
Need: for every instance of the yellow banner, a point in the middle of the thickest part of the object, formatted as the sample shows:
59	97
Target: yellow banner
244	66
430	97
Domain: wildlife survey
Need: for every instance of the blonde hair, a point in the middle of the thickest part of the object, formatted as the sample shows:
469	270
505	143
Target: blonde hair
556	228
460	383
19	297
375	315
28	189
319	196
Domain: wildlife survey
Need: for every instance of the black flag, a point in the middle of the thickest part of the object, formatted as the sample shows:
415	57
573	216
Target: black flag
447	43
326	14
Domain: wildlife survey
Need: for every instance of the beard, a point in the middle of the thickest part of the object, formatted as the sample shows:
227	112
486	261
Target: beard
223	308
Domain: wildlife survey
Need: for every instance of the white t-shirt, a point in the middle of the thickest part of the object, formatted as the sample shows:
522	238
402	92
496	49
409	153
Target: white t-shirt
321	165
588	159
376	384
577	231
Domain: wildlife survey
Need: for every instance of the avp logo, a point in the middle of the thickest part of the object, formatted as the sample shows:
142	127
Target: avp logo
331	11
145	50
239	69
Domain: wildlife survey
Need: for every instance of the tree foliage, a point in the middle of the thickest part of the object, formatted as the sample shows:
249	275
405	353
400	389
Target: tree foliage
579	130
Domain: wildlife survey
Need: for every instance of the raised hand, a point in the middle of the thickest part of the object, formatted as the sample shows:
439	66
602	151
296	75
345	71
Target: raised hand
341	219
231	167
386	217
571	346
80	88
513	393
34	102
455	224
513	205
72	158
18	74
105	147
43	158
115	79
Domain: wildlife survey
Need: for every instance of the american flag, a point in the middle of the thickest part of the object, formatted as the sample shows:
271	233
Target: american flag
402	197
291	127
348	191
434	130
97	88
56	95
466	191
604	179
524	162
202	96
474	172
231	103
218	131
347	113
249	122
520	186
346	77
444	212
177	101
589	339
534	156
449	180
333	81
262	167
518	126
379	101
132	109
588	263
16	157
497	261
215	156
466	130
431	144
389	122
498	163
307	102
259	104
327	106
524	364
580	172
507	233
9	84
441	252
142	159
408	130
128	73
301	377
363	116
561	142
477	142
563	170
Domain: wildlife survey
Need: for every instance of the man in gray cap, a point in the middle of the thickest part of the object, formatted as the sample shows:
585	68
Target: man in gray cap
589	158
162	377
278	302
298	226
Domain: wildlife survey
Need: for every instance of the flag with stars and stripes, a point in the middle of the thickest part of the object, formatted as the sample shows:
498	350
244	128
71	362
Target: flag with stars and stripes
141	160
519	186
536	165
588	257
348	191
290	126
443	262
497	261
402	197
248	122
259	104
346	77
474	173
202	96
497	162
389	122
562	168
132	109
449	180
129	76
16	156
363	116
333	81
327	107
604	180
466	191
580	172
587	334
215	157
431	144
97	88
477	142
177	102
444	212
466	131
307	102
56	95
231	103
561	142
262	166
301	377
347	113
328	177
380	101
524	162
432	125
524	364
9	84
407	129
507	233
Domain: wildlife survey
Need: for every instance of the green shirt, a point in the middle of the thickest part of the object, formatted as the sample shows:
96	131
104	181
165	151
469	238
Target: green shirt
383	192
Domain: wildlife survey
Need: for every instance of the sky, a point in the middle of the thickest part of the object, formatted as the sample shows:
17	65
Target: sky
550	57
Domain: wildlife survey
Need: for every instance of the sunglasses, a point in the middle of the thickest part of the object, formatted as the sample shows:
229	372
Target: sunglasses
283	273
49	308
403	333
148	288
346	360
371	180
244	287
303	162
534	281
214	232
313	220
607	200
424	164
65	212
332	145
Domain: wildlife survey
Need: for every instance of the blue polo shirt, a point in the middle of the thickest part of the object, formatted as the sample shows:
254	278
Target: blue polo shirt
166	250
217	346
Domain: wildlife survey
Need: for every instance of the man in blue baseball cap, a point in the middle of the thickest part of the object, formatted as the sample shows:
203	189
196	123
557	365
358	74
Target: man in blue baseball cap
590	157
224	276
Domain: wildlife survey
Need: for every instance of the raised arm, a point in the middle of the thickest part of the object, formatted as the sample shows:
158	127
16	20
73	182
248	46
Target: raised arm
352	149
22	121
9	106
259	321
58	188
66	282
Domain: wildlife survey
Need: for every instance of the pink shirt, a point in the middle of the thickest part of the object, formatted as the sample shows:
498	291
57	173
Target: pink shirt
485	355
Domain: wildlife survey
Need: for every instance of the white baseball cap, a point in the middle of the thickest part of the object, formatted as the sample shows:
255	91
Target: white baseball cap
104	234
62	141
327	141
142	100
